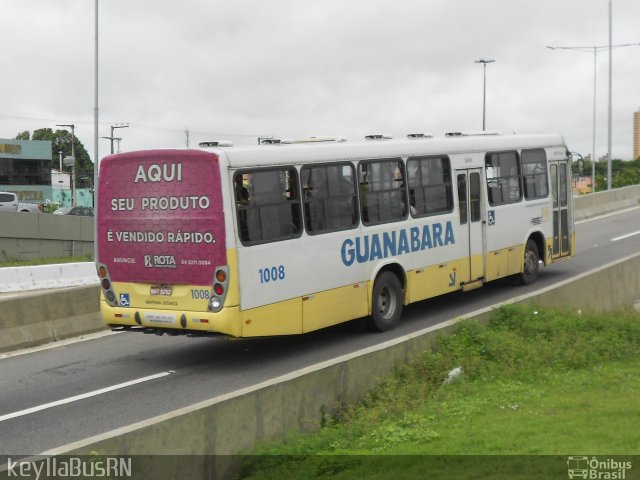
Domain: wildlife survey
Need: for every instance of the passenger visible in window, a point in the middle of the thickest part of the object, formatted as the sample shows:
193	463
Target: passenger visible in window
412	173
243	196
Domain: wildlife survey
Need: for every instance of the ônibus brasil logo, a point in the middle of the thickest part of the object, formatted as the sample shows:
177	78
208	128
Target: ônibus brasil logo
595	468
160	261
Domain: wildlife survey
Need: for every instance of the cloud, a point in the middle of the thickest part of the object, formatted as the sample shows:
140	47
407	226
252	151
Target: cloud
245	68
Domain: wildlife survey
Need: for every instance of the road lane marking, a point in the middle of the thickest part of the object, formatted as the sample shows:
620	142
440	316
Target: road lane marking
58	344
82	396
622	237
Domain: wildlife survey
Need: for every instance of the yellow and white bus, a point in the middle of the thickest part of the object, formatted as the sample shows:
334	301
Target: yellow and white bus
290	237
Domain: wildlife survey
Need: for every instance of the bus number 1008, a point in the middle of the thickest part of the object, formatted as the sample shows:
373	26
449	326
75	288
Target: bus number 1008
272	274
200	294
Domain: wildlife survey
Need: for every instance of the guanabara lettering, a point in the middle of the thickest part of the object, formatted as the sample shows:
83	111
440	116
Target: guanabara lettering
399	242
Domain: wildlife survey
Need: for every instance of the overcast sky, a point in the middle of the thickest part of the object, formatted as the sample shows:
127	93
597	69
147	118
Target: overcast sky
236	69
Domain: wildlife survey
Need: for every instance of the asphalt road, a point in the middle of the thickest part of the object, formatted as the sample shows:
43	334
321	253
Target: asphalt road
39	404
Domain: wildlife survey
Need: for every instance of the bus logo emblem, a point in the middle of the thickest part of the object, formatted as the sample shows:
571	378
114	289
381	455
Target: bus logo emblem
160	261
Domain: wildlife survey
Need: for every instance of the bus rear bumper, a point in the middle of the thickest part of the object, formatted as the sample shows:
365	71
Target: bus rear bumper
172	322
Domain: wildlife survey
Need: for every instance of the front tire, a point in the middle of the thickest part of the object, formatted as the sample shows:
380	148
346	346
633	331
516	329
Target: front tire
387	302
531	264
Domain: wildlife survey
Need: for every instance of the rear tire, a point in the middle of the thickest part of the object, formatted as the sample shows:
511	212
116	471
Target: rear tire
387	302
531	264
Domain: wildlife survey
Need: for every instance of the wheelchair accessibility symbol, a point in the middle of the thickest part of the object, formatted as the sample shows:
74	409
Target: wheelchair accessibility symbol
124	300
492	217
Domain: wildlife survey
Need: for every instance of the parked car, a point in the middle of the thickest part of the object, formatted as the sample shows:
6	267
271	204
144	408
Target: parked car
79	211
9	202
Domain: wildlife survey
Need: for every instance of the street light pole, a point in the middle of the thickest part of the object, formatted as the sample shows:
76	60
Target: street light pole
484	91
95	136
596	49
609	159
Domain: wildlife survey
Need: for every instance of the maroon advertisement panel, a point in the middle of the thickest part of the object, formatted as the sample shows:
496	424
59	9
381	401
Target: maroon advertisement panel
160	217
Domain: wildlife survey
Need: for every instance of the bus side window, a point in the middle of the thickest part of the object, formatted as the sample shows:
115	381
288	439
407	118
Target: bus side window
430	191
383	195
267	205
534	174
329	197
503	178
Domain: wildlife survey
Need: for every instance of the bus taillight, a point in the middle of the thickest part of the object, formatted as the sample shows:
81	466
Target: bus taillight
221	276
220	284
105	283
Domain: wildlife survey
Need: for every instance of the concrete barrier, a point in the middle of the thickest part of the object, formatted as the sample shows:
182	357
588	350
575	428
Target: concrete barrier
20	279
41	235
233	423
600	203
33	319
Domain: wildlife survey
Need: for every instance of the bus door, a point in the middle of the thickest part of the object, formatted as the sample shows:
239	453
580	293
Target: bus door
562	213
471	225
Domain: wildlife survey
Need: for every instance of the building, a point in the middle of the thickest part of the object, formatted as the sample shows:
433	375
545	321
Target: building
581	185
25	168
636	135
60	180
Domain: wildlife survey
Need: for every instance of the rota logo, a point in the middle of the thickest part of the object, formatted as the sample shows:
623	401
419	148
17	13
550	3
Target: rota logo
159	261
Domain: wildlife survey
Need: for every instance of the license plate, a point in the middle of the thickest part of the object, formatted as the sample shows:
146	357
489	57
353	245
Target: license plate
163	318
163	290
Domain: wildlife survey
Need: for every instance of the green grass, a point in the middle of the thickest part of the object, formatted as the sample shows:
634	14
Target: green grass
46	261
534	382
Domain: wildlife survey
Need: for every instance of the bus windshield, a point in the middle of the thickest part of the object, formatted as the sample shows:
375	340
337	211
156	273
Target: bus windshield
161	217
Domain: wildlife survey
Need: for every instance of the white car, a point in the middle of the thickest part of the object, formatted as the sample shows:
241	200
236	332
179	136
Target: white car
9	203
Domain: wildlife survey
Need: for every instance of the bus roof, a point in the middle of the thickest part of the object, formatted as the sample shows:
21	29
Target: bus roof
279	154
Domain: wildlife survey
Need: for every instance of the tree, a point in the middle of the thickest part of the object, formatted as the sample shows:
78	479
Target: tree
61	142
624	173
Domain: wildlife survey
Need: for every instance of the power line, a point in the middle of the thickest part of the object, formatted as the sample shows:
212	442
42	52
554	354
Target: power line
136	125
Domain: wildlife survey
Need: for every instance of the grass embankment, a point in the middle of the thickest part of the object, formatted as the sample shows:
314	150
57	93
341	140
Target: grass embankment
46	261
534	382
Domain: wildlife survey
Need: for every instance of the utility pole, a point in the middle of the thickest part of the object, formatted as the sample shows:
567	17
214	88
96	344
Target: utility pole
71	161
187	136
112	138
